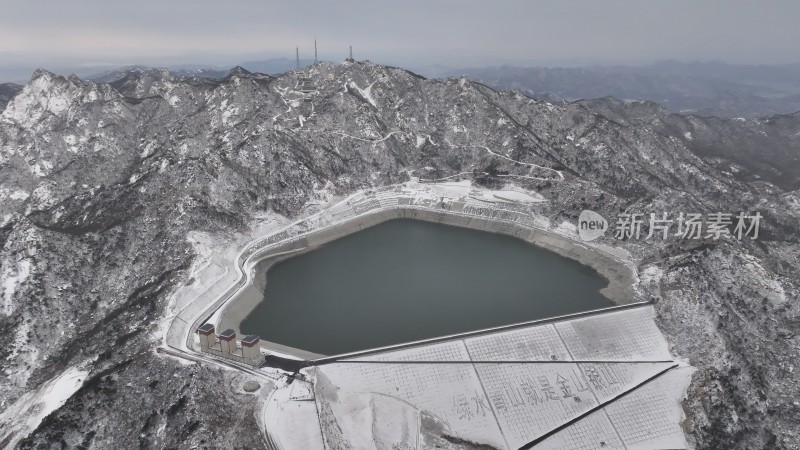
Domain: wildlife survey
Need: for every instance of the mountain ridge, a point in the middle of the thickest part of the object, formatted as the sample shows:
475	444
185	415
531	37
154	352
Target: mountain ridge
703	89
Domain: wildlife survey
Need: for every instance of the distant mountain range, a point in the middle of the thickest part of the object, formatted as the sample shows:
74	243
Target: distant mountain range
271	66
20	72
7	92
704	89
699	88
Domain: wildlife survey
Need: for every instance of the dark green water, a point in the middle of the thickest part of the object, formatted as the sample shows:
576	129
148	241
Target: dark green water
405	280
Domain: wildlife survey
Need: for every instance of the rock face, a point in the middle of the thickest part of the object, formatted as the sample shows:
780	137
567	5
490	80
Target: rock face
100	185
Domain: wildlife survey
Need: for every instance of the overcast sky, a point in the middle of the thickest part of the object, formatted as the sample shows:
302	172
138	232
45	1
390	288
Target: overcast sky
412	32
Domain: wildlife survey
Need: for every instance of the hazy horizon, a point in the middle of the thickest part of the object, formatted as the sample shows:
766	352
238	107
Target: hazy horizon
20	74
95	35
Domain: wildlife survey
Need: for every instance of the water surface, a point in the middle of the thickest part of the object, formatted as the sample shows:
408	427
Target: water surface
405	280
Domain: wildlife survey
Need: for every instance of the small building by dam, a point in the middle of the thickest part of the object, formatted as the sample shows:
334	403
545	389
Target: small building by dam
225	345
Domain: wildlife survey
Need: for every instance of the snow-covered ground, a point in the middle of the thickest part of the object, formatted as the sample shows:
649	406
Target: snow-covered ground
19	419
14	274
611	375
509	196
292	424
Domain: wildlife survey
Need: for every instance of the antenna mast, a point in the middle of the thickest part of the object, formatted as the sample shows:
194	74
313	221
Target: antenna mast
351	53
297	54
315	50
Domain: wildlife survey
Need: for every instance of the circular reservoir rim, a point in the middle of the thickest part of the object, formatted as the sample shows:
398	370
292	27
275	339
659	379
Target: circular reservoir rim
619	273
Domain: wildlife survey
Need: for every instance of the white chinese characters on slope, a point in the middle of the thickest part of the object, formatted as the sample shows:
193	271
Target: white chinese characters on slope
715	226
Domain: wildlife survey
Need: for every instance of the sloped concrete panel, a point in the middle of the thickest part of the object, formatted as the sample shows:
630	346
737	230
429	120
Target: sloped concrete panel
591	433
533	399
600	381
450	391
535	343
622	335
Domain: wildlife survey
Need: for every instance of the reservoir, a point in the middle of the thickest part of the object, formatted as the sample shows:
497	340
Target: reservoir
405	280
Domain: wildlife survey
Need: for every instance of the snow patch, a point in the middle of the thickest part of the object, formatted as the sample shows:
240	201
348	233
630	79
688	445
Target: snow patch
226	115
42	168
509	195
452	189
768	287
13	276
148	150
567	228
43	197
42	94
25	415
163	166
19	195
420	141
366	93
651	274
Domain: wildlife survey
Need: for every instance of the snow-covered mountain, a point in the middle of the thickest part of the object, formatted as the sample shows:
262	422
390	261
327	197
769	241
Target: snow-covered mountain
126	72
101	183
